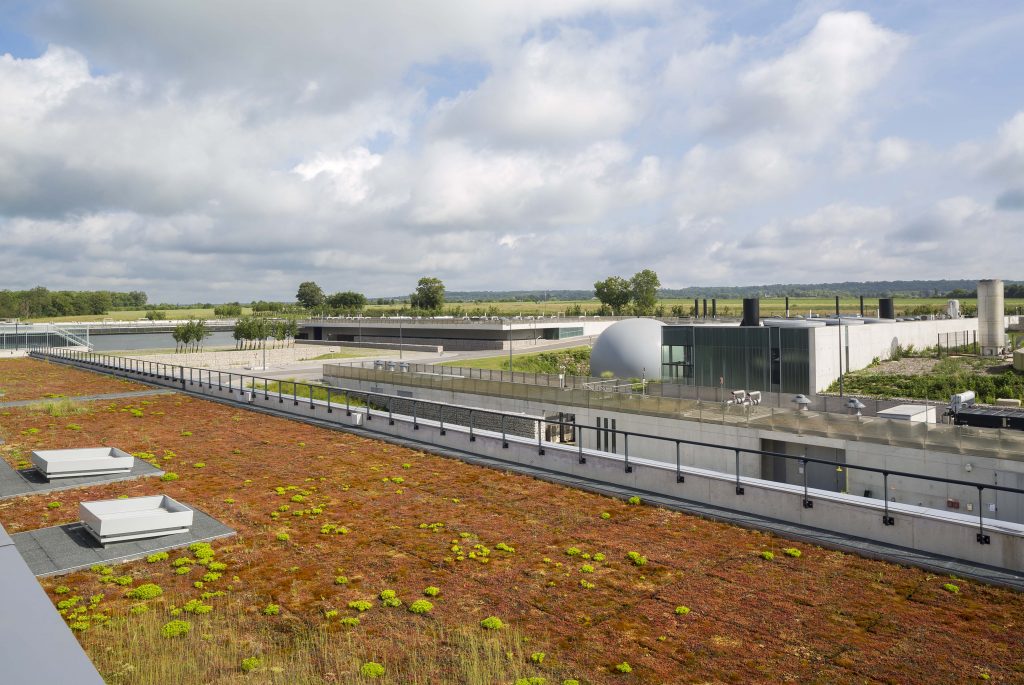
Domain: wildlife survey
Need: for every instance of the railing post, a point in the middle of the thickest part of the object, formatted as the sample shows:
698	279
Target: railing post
579	441
348	409
295	393
540	434
415	423
311	405
369	416
886	519
983	539
391	416
440	413
808	504
504	441
625	451
219	383
680	478
266	389
739	488
280	393
472	436
329	410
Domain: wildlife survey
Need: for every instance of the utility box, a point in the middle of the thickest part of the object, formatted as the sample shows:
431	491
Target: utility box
915	413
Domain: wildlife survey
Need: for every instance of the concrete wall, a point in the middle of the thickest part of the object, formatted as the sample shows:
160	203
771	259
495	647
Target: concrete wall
867	341
925	529
986	470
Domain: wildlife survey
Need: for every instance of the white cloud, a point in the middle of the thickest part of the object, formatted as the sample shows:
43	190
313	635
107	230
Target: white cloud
564	90
200	150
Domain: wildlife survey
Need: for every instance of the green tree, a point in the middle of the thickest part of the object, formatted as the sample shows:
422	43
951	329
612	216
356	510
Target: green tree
644	291
310	295
347	300
614	292
429	294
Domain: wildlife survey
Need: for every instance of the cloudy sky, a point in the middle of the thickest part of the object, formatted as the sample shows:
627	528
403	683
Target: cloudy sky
212	151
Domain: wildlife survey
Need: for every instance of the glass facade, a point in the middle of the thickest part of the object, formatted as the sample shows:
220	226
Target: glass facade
748	358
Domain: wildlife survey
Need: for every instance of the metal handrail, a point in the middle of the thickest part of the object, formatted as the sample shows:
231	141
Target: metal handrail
176	373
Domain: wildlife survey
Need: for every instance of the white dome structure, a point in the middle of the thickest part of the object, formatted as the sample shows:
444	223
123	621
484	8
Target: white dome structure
629	349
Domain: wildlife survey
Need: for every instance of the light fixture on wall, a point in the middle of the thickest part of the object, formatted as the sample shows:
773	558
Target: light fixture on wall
968	467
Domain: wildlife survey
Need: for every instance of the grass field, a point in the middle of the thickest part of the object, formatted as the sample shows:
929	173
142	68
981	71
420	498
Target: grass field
136	314
772	306
574	360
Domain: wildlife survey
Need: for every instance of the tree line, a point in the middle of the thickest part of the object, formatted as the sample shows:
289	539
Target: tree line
39	302
251	332
189	336
428	298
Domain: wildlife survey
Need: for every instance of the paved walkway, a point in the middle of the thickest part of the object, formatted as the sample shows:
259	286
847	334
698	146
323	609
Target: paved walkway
14	483
90	398
62	549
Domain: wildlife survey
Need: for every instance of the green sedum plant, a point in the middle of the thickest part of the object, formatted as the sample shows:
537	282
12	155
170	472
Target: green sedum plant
432	591
271	610
251	663
421	606
371	669
624	667
145	591
360	605
176	628
637	558
492	623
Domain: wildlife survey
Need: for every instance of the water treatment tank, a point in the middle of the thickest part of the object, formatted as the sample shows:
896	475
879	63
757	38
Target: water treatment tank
991	325
630	348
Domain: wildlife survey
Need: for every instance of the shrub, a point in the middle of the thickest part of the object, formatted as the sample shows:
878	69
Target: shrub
145	591
537	657
505	548
159	556
341	580
175	628
586	568
61	590
251	664
587	585
123	580
492	623
360	605
53	505
284	537
331	613
599	557
532	680
573	552
421	606
792	552
767	556
605	515
169	476
139	609
349	621
211	577
199	465
637	558
682	611
949	587
217	566
183	570
432	591
371	669
634	500
183	561
624	667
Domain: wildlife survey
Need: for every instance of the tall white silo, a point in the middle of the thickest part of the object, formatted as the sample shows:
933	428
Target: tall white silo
991	324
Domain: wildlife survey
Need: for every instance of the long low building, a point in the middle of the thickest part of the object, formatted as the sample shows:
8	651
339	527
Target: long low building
451	333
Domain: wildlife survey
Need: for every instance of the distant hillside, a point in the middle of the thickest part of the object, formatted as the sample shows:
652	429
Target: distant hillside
847	288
